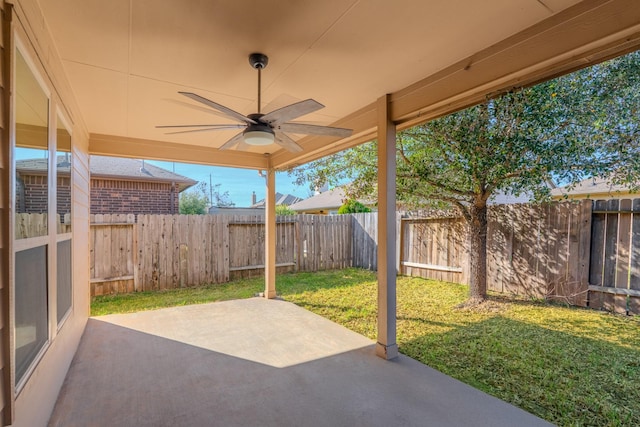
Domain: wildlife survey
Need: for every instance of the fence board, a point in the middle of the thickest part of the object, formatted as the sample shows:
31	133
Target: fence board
634	279
365	241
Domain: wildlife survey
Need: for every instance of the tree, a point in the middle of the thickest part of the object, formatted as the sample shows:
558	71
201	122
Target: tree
284	210
196	200
352	206
580	125
193	203
213	194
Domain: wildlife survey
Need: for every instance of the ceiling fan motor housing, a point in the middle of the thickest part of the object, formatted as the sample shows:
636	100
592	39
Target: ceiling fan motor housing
258	60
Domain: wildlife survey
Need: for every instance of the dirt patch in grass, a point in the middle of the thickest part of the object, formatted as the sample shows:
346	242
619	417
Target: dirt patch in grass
486	306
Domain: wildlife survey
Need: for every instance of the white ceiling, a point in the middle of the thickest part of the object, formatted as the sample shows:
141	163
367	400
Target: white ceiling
127	59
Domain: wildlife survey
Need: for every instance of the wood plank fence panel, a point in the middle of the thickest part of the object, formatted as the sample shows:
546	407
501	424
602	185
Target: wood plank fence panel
365	240
111	254
535	250
433	248
634	279
614	274
498	249
610	250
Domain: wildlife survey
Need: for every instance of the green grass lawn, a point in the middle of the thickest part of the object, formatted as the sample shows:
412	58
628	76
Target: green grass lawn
570	366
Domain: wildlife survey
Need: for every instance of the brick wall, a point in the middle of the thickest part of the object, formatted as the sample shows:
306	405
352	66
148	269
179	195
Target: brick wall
107	196
34	197
63	196
110	196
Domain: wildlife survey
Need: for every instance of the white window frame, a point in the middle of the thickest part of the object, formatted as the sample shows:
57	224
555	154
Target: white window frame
55	113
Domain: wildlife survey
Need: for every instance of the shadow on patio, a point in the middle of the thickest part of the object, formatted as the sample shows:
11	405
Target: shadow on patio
256	363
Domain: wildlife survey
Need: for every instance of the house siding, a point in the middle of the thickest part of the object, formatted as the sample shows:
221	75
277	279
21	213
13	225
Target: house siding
137	197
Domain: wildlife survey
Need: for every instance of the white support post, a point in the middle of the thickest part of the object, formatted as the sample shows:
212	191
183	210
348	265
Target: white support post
386	346
270	236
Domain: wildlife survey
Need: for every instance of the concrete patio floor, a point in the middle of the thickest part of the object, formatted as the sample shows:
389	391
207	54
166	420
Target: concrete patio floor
255	362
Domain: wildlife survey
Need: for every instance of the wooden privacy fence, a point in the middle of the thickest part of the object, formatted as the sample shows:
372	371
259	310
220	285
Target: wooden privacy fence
546	251
541	251
583	253
28	225
171	251
434	248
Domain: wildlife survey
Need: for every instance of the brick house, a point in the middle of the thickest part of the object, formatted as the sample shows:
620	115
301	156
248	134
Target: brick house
31	185
121	185
118	185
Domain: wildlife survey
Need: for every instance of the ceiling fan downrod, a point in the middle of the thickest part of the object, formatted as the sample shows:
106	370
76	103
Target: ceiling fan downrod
259	61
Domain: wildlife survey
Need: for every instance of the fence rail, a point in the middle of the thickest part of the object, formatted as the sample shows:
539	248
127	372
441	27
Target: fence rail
571	252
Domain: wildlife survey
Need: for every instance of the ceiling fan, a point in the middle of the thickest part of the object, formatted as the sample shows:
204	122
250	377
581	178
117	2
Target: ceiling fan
263	129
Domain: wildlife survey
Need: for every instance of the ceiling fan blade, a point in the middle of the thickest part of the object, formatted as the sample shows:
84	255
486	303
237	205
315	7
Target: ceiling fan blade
287	143
228	126
233	141
243	146
197	130
304	129
198	107
292	111
228	111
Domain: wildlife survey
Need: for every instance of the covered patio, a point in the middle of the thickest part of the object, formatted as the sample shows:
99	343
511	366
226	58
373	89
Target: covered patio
257	362
83	77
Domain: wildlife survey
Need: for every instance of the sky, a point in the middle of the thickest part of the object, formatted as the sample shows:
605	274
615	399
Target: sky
238	182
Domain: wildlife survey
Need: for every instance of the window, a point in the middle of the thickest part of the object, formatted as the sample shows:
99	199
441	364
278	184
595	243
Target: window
31	154
42	165
63	221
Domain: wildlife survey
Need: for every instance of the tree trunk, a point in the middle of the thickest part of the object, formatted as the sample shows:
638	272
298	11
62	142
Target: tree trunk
478	254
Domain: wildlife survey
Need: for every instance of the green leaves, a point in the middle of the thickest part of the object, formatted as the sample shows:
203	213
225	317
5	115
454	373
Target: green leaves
193	203
579	125
284	210
353	206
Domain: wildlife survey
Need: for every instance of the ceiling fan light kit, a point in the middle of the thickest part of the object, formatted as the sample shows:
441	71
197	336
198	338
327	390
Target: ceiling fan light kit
254	136
265	129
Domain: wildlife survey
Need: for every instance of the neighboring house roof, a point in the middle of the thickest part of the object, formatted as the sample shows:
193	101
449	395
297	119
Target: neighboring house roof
113	168
599	187
118	168
509	199
335	198
39	166
281	199
331	199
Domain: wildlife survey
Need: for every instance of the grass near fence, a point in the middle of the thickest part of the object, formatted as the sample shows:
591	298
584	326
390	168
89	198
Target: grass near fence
569	366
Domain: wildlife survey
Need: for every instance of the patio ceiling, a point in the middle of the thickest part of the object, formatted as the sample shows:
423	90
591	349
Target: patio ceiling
127	59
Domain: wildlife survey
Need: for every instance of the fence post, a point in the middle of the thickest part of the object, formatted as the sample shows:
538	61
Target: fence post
400	242
134	245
